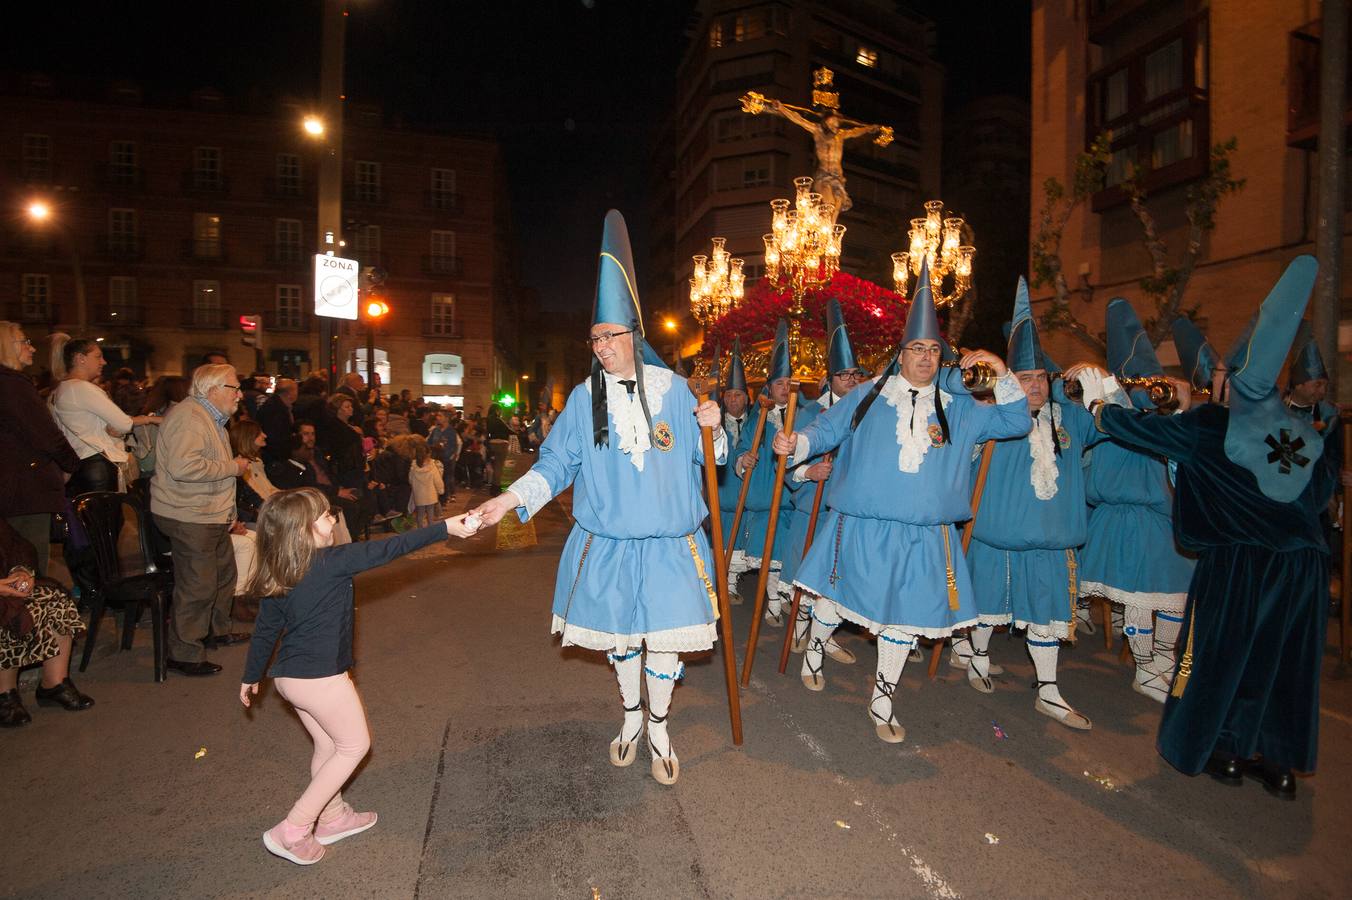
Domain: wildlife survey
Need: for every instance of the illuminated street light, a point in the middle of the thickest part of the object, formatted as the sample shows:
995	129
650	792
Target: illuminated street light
314	126
39	211
669	325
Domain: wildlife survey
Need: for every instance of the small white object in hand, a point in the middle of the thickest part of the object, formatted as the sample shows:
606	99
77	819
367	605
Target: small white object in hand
473	522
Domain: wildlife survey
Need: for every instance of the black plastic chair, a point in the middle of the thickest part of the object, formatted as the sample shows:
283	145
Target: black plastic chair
139	490
129	584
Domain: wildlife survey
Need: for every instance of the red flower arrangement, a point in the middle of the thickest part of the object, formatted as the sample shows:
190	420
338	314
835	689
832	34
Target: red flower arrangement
874	316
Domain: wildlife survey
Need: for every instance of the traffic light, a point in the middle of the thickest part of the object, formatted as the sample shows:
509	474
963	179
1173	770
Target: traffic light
251	330
376	309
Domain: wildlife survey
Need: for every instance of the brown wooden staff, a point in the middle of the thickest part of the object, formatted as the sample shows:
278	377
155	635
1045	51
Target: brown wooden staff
720	571
797	591
977	491
1345	623
767	553
765	404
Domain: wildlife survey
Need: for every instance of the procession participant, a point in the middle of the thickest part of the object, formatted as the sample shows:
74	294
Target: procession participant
843	375
760	471
1130	556
1032	517
636	567
889	557
1252	479
734	398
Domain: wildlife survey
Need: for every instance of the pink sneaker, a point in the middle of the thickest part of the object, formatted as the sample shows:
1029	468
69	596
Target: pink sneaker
346	825
303	850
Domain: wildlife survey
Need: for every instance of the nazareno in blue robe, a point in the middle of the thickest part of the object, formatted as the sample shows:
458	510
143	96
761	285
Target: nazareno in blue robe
1257	605
637	567
756	515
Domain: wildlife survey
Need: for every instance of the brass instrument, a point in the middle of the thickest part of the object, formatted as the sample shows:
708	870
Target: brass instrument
978	378
1161	391
1073	389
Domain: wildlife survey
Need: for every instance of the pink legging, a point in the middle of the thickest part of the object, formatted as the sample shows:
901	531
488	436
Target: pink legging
331	711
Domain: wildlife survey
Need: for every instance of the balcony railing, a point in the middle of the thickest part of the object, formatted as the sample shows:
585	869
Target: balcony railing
33	313
205	317
441	265
119	315
442	328
203	251
441	200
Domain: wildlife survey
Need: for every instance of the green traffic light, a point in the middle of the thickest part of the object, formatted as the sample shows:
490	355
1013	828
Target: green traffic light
506	399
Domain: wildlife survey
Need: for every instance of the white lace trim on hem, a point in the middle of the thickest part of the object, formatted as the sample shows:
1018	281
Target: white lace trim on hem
1059	630
879	627
672	640
1138	599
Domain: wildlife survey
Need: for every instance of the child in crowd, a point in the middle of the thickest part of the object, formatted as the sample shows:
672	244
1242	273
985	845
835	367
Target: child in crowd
424	477
306	586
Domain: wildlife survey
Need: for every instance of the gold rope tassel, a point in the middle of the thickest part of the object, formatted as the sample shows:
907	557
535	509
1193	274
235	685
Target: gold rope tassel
1073	567
1185	666
699	569
948	565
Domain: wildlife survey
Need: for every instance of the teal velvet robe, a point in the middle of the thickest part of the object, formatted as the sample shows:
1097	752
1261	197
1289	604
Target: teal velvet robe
1256	613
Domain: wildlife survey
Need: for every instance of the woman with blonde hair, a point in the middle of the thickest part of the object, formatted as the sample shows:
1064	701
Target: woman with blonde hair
93	424
305	583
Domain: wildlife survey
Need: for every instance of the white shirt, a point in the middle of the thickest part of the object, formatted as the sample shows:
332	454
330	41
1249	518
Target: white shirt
83	412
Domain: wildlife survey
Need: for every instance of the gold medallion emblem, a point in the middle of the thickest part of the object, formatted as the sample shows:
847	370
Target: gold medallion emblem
936	435
663	437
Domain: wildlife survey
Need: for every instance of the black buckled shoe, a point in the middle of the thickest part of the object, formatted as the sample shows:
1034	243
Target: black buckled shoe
1278	781
12	712
1226	769
66	695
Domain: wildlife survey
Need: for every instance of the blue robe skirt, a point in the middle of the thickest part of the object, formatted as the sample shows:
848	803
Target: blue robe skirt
1130	557
905	586
616	594
1026	587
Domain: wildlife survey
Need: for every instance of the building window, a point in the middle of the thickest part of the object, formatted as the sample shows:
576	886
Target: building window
1153	105
37	295
206	304
206	236
122	237
206	169
288	175
122	302
443	314
441	252
287	240
716	34
443	189
122	162
743	172
37	157
368	181
289	307
730	127
866	57
366	242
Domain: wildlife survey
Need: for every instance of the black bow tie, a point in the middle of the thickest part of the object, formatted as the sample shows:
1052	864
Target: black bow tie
914	394
629	385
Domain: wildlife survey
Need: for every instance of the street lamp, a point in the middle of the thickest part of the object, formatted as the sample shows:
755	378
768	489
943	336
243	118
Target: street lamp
314	126
673	329
39	213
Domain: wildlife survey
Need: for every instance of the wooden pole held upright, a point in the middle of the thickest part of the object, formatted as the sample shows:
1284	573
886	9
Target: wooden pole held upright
766	555
746	482
721	575
798	592
1345	618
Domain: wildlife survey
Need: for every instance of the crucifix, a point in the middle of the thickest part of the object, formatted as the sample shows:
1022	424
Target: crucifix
829	129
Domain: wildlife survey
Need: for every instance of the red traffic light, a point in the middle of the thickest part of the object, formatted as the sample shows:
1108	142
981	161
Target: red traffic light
248	323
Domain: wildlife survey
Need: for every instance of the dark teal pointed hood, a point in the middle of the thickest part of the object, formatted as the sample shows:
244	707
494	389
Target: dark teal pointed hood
1195	354
780	364
1130	353
1024	351
736	380
839	354
922	322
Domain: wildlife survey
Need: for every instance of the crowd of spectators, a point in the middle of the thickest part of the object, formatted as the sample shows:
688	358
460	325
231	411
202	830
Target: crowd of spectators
207	451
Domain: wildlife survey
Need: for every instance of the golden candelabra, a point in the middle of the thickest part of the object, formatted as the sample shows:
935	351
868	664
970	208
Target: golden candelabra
717	286
802	248
937	240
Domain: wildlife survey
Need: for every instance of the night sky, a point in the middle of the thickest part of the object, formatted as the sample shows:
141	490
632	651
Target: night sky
573	88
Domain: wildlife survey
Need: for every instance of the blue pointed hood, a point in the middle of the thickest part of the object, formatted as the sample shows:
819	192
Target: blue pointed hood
839	354
1024	351
1262	435
1307	363
736	380
1195	353
1130	353
922	322
779	356
616	299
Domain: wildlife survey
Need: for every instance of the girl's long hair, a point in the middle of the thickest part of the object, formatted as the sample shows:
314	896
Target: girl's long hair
243	433
285	547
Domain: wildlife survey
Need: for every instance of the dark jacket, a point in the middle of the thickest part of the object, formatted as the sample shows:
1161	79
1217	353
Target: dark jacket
314	620
33	451
274	417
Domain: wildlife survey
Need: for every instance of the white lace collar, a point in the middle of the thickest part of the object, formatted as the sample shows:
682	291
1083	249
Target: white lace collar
630	431
1042	449
913	435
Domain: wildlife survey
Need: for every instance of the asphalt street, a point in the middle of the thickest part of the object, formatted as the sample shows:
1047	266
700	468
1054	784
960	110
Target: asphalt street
489	771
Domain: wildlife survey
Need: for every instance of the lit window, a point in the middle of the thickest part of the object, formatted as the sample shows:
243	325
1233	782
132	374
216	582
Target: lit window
206	235
866	57
443	314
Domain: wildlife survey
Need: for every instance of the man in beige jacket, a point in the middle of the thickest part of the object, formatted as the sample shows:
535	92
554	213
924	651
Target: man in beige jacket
192	498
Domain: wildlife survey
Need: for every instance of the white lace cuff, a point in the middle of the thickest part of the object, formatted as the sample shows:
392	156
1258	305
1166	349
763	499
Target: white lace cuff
1113	394
800	473
720	446
1008	389
533	492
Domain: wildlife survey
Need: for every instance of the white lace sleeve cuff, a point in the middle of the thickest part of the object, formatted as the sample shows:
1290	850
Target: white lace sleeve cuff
720	446
1113	393
533	492
799	473
1008	389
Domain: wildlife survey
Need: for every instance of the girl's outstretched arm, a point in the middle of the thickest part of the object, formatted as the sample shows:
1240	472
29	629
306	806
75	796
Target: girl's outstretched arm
355	558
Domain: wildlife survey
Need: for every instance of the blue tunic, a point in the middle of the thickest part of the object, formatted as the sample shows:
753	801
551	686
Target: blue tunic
795	520
756	515
1130	555
1022	556
729	482
887	549
637	566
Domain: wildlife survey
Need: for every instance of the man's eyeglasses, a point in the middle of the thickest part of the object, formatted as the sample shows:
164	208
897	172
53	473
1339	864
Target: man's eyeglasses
922	350
231	387
605	337
25	342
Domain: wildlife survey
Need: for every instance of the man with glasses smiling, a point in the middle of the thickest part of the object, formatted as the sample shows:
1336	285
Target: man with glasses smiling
888	556
636	570
192	497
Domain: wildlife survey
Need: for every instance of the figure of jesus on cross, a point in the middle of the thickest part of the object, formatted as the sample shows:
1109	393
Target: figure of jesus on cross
829	129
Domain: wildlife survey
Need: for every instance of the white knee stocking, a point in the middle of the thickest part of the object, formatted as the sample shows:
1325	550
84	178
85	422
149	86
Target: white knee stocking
1167	627
628	672
825	620
894	645
981	642
1044	648
1139	629
663	671
803	623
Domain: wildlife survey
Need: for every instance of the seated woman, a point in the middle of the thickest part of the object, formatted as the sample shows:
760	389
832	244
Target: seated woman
251	490
38	621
